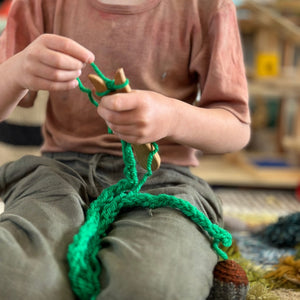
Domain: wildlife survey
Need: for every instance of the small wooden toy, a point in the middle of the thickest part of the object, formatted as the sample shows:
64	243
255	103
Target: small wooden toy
141	151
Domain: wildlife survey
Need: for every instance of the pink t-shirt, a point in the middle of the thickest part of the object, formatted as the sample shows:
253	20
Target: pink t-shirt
168	46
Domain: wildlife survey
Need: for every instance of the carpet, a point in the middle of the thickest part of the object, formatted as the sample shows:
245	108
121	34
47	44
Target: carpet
248	214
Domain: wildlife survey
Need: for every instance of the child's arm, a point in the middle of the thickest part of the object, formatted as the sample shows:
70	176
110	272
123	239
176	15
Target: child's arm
220	123
50	62
142	117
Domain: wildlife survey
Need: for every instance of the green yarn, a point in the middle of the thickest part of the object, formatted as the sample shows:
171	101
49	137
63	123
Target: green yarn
110	85
85	268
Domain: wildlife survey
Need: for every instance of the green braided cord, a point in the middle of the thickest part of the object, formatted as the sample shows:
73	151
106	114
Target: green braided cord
87	91
110	85
85	268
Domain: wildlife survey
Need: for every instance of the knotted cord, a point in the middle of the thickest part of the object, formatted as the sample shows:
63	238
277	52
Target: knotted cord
85	267
110	85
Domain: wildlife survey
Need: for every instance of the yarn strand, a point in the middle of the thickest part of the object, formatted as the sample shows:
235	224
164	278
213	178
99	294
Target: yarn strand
85	267
110	85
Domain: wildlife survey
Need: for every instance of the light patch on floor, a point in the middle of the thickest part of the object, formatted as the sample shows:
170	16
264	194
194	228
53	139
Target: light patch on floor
257	206
1	207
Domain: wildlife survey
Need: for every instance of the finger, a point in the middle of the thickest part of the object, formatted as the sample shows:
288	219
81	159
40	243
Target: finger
124	129
132	139
54	74
39	83
70	47
59	60
119	102
121	117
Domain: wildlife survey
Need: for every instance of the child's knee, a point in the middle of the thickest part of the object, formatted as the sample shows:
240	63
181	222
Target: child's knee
137	281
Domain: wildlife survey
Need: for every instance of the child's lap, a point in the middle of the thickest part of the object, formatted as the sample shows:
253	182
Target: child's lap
45	206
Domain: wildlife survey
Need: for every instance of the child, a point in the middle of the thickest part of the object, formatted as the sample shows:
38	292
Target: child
168	49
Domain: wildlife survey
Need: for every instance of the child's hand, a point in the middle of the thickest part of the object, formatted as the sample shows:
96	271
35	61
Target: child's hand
51	62
138	117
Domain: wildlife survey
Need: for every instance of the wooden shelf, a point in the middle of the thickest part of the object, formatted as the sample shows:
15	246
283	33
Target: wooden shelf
275	87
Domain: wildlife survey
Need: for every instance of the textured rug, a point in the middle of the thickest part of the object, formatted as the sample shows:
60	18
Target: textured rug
250	208
253	217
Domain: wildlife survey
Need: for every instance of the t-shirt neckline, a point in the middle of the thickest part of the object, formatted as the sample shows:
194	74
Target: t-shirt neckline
125	9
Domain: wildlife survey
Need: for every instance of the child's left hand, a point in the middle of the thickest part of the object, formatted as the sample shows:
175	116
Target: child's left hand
138	117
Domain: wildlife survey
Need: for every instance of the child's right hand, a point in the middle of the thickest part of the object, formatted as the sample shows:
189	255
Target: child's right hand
51	62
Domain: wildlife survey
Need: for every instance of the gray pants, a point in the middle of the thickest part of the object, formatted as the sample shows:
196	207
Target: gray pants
154	254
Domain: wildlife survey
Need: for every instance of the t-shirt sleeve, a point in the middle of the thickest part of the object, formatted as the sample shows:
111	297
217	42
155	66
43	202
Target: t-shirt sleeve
24	24
220	65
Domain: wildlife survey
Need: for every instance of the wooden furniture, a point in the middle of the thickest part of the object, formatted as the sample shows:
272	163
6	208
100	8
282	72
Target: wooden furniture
275	71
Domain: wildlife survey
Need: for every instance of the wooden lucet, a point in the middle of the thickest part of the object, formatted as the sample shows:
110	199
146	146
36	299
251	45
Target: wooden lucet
141	151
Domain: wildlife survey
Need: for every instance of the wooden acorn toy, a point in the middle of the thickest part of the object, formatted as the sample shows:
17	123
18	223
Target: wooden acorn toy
141	151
